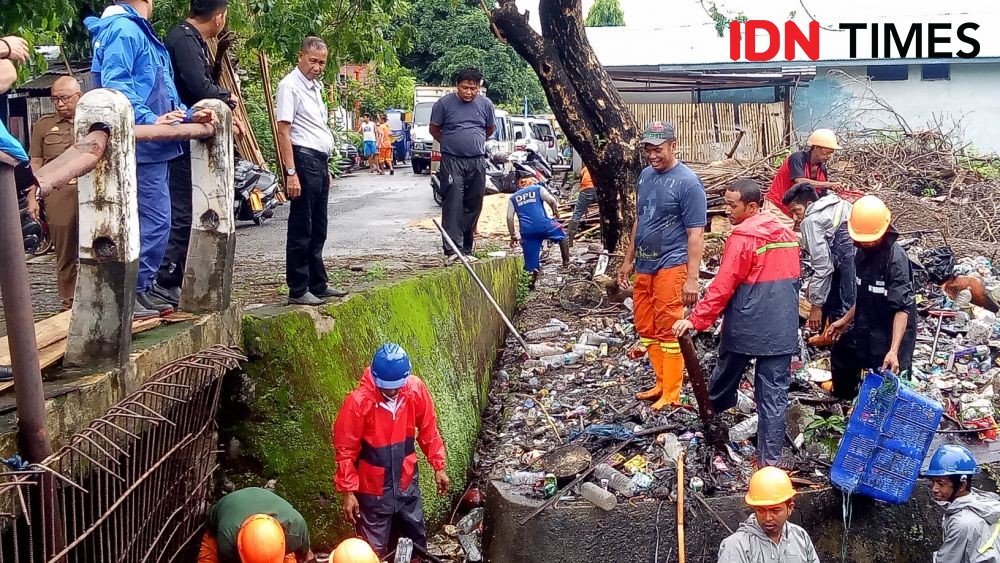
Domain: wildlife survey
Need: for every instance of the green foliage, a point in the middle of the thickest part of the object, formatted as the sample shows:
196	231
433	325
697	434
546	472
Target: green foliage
826	432
388	87
454	34
722	20
605	13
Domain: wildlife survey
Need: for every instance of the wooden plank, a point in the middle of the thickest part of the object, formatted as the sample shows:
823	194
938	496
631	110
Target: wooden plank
47	331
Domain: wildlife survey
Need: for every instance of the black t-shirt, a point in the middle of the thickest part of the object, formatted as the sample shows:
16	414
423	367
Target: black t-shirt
192	71
798	162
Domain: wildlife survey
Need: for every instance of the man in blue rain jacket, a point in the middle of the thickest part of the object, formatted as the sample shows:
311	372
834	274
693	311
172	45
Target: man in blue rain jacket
129	58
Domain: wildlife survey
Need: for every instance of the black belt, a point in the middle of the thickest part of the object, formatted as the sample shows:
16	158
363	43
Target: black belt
462	157
312	153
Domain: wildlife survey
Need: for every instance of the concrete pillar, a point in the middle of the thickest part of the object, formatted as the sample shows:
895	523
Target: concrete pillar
100	332
208	274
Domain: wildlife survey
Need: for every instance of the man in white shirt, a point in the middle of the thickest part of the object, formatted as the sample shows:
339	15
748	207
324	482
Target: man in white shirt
305	144
370	146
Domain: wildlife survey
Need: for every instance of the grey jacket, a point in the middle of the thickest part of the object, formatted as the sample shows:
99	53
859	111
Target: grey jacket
823	217
971	530
751	545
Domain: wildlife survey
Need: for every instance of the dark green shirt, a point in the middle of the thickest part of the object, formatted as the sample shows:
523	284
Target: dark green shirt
226	517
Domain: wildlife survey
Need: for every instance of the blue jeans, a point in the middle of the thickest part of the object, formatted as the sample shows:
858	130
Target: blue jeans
772	377
531	245
585	199
154	220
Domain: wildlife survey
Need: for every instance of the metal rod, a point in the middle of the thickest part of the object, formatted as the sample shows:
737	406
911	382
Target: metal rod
680	508
78	160
29	395
178	132
489	296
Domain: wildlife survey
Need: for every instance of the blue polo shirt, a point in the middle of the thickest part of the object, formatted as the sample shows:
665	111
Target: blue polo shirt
668	204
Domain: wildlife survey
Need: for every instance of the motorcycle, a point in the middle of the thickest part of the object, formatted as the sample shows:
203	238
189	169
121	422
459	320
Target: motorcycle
533	158
257	193
37	240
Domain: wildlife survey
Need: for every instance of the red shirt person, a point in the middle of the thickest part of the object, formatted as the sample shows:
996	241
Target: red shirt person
374	437
802	166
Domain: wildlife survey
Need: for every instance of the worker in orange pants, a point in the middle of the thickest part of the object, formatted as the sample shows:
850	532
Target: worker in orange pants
665	251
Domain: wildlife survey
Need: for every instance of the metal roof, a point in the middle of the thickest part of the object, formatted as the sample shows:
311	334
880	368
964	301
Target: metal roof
40	86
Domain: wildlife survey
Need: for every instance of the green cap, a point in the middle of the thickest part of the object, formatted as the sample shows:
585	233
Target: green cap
658	132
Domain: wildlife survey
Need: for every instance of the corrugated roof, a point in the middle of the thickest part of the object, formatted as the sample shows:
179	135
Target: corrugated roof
42	84
699	45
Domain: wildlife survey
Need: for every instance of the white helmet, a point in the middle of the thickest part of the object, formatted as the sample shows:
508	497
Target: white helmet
825	138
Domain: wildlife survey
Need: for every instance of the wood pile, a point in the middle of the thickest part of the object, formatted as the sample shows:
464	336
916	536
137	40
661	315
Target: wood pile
246	144
50	336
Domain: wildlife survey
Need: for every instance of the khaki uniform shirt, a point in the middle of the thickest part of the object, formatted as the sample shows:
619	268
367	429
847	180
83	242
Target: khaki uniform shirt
50	137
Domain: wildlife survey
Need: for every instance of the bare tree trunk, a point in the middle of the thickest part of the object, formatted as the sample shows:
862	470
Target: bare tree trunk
585	102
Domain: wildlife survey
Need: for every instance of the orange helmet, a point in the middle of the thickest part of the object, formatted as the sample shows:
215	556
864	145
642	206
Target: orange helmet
869	219
769	486
261	540
354	550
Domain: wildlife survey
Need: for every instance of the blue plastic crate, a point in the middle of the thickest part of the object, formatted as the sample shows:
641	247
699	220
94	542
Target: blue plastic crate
886	440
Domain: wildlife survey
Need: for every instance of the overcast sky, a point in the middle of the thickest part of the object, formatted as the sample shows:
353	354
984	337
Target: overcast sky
672	13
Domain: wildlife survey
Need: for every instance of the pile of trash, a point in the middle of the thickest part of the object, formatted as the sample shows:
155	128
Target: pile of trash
564	423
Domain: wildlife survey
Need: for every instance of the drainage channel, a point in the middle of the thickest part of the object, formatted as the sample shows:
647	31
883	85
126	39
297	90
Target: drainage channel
542	419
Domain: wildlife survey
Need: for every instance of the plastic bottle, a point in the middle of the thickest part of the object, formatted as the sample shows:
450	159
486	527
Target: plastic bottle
584	348
963	300
543	349
524	477
542	333
743	430
560	360
605	500
616	479
744	403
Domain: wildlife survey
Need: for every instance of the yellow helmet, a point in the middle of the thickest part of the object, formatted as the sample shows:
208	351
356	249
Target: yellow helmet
354	550
825	138
869	219
769	486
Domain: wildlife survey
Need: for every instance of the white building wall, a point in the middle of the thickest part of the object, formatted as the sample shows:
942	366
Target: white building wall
970	98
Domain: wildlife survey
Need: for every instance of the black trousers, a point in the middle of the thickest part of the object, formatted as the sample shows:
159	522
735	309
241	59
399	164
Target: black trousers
307	223
394	515
463	183
171	272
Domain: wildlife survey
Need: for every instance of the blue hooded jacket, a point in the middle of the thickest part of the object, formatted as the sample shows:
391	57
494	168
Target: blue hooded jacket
10	145
129	58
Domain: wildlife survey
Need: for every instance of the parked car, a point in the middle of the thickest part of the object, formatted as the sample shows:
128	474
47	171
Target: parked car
539	134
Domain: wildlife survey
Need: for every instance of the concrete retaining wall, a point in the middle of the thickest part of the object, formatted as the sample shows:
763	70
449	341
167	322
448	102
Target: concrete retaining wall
580	532
304	361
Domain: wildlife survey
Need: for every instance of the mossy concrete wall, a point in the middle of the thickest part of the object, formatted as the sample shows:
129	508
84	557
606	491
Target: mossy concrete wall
304	361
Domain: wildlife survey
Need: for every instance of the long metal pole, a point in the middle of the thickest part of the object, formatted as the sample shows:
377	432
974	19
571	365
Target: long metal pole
489	296
29	396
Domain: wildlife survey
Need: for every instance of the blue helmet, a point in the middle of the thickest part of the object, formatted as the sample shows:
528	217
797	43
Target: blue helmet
390	366
951	460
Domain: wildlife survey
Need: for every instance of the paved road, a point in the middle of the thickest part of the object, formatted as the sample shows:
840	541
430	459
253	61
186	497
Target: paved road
369	215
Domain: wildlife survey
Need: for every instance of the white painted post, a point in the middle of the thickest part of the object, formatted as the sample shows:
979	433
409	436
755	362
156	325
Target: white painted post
100	331
208	273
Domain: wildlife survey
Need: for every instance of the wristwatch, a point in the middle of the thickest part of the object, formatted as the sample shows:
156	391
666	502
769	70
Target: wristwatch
289	171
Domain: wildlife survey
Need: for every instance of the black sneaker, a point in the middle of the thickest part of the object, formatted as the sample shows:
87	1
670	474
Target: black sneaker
161	309
306	299
165	295
330	292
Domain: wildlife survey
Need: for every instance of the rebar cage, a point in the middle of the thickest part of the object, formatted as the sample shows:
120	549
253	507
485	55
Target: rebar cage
131	487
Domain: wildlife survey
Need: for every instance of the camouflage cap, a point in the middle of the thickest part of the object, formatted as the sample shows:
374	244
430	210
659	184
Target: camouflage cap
658	132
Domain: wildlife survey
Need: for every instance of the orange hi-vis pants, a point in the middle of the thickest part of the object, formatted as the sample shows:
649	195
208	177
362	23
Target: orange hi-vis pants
209	551
659	303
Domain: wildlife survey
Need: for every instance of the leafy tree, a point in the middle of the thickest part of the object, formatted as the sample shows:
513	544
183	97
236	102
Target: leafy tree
605	13
387	87
454	34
